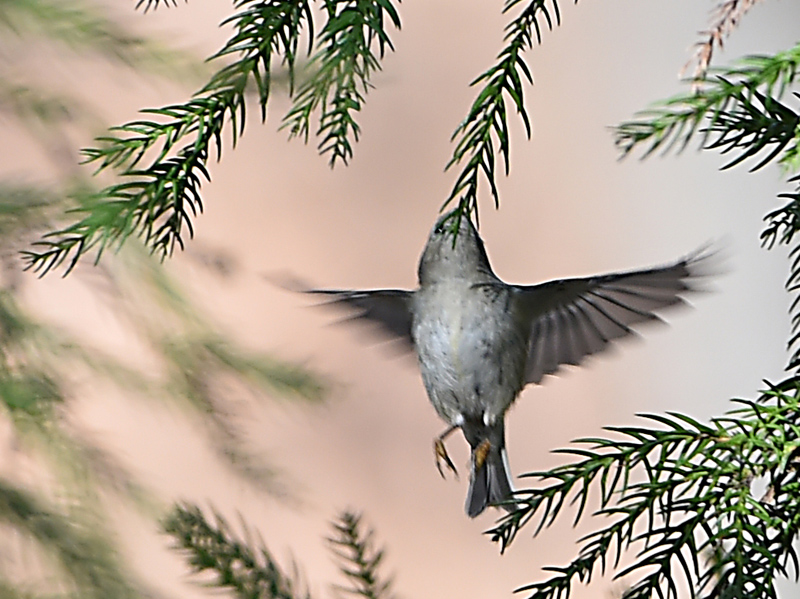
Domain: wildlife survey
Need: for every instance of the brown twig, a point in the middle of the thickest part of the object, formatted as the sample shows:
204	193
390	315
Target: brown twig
725	18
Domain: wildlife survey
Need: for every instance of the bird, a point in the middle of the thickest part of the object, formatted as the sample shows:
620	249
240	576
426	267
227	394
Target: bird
479	340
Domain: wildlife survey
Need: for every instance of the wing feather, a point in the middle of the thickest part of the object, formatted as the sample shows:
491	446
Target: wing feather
388	309
574	318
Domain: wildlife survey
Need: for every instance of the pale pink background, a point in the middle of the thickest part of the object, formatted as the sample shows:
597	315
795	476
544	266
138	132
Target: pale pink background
568	208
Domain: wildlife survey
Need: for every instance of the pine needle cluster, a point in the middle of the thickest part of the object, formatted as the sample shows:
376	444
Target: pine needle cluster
248	569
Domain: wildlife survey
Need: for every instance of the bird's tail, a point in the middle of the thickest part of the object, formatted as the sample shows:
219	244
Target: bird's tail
489	481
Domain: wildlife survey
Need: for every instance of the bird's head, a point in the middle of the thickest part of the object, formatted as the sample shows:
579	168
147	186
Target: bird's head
454	250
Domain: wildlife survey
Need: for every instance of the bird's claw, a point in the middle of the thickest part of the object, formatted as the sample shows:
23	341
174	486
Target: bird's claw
480	453
440	452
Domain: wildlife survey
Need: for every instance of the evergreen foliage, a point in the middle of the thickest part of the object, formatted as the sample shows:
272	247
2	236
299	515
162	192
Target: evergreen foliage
80	552
712	509
162	161
708	509
715	508
249	570
359	559
243	566
56	539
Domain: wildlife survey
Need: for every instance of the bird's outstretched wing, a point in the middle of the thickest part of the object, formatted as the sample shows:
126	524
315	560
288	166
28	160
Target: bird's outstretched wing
574	318
389	309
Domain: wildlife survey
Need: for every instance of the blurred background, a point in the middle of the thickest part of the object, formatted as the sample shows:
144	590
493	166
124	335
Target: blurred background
570	207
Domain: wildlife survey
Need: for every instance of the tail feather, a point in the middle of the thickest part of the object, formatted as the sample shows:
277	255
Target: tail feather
490	484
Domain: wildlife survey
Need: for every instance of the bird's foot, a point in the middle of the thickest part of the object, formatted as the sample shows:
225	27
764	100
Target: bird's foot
440	452
480	453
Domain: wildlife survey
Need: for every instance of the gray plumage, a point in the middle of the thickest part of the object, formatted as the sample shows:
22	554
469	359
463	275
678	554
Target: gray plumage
479	340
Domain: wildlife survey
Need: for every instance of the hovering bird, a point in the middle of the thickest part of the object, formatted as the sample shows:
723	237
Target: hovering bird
480	340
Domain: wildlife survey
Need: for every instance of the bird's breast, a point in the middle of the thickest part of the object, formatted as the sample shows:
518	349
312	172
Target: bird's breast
470	347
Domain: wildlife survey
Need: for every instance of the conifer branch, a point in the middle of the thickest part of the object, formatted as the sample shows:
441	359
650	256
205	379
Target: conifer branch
359	560
738	112
247	568
678	494
154	4
484	132
726	17
163	161
340	74
674	123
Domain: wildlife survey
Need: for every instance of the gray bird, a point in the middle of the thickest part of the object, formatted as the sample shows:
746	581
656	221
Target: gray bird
479	340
